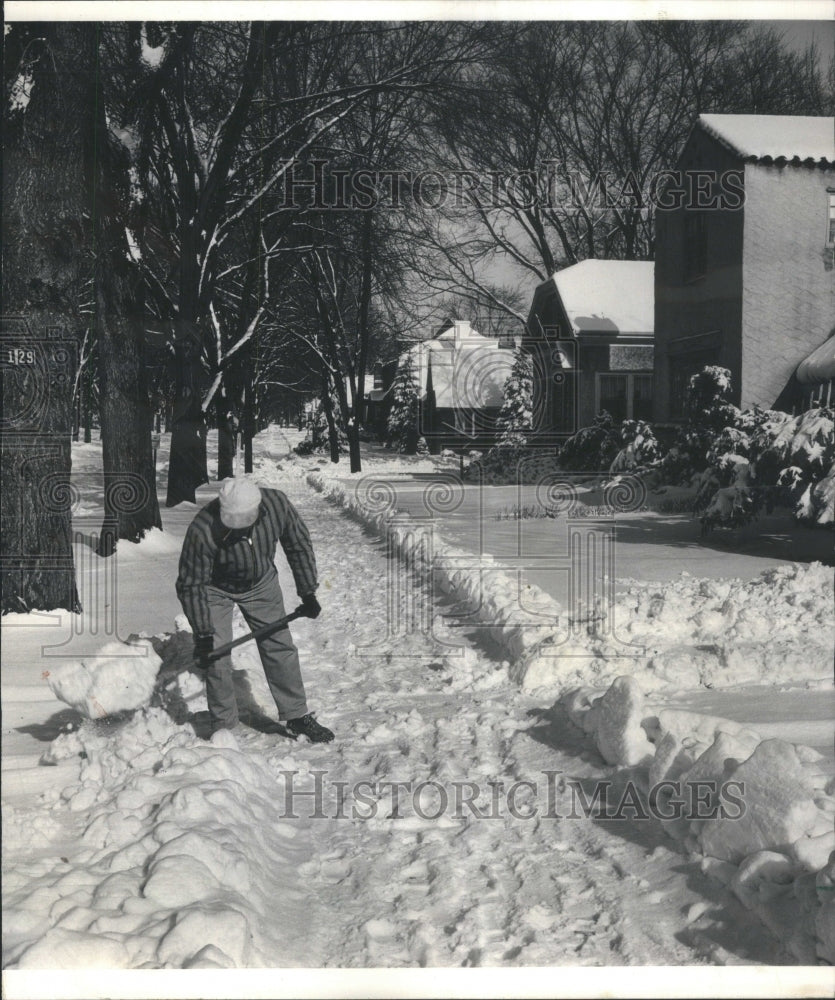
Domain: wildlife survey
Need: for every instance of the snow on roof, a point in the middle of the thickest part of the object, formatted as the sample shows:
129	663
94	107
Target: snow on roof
773	137
468	369
820	365
608	296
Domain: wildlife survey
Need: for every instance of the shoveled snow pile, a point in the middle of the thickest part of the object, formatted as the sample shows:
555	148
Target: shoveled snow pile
775	847
686	634
776	627
182	856
118	678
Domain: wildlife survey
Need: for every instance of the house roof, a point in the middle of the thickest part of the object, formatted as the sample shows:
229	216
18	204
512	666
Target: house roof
765	138
820	365
607	296
468	370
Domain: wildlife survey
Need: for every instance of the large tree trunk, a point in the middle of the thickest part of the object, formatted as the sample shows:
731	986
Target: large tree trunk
187	466
125	411
225	436
45	191
130	495
248	424
353	432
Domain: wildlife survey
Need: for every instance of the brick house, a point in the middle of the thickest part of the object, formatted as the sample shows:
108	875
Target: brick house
590	333
744	276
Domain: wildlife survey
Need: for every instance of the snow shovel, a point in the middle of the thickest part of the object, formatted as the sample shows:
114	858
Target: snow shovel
258	633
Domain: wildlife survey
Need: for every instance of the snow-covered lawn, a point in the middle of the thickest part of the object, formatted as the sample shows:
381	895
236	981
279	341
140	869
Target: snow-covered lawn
134	844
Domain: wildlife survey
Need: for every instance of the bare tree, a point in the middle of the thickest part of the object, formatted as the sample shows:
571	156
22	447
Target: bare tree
582	117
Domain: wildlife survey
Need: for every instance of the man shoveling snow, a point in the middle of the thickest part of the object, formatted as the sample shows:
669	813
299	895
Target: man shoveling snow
227	559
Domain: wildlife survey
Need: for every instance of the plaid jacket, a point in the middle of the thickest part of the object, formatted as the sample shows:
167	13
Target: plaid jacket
236	560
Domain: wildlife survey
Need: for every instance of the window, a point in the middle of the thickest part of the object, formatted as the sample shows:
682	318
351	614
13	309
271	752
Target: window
830	222
626	396
642	397
612	396
695	245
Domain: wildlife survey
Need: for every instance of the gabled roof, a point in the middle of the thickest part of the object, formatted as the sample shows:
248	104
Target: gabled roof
468	369
615	297
766	138
820	365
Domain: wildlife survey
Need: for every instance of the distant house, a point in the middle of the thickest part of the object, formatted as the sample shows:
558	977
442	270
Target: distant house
590	332
460	376
376	397
745	238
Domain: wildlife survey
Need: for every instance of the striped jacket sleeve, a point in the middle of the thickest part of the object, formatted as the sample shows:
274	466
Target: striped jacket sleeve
295	540
195	573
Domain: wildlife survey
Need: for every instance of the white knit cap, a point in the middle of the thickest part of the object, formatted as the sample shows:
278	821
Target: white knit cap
239	500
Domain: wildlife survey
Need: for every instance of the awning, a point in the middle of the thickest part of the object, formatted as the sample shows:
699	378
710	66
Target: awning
820	365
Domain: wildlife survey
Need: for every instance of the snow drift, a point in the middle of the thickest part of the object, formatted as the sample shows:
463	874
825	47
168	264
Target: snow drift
684	634
778	856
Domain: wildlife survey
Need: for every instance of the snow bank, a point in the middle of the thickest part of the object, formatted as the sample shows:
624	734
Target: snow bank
777	627
178	861
765	825
687	634
118	678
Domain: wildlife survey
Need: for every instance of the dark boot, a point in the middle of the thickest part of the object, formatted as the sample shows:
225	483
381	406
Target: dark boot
309	727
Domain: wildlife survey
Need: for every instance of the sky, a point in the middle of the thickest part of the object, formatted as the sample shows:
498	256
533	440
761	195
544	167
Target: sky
799	34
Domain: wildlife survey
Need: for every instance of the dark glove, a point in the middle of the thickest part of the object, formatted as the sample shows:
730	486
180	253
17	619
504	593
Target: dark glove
311	608
203	645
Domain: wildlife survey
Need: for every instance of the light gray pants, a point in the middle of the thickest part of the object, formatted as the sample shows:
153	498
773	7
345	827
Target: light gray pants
279	657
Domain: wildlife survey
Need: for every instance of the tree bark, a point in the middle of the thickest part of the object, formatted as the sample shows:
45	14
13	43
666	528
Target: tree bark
130	497
45	236
327	405
187	466
225	436
125	409
248	427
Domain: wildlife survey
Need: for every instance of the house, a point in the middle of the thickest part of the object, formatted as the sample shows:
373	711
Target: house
460	376
377	398
590	333
745	237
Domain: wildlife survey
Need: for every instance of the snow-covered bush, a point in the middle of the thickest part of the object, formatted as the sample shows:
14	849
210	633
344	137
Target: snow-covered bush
707	412
770	459
402	424
592	448
605	445
319	439
639	448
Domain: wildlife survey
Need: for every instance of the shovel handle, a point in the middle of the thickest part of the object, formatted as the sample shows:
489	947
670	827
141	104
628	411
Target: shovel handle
258	633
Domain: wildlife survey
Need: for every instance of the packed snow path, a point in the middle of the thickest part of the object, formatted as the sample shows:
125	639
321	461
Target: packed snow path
165	850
